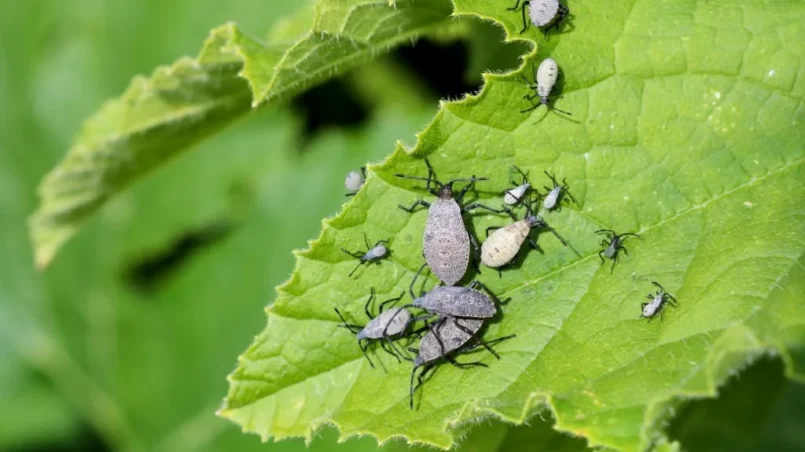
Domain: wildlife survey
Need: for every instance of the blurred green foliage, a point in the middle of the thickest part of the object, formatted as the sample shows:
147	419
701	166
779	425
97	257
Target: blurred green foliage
141	362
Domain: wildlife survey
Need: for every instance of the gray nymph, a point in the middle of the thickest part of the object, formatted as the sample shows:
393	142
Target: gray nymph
456	301
389	323
446	336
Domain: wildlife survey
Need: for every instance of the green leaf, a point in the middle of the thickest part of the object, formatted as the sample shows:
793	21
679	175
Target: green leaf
686	128
158	117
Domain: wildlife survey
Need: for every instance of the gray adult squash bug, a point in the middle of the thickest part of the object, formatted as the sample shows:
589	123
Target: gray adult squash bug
446	242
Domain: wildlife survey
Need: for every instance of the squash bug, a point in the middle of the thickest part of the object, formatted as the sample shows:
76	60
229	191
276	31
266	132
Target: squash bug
374	254
517	195
500	248
446	242
613	244
556	193
544	80
542	12
354	181
446	338
387	325
456	301
658	300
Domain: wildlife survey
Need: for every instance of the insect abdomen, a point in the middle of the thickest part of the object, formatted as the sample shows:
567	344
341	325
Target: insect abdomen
547	73
446	242
450	338
542	12
502	246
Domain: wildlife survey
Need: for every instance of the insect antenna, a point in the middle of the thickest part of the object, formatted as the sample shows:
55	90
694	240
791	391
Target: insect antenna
351	327
411	388
363	344
391	301
554	109
413	281
466	179
561	239
356	268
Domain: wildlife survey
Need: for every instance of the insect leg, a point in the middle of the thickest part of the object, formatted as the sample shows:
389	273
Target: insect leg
418	202
494	298
500	339
363	348
351	327
533	244
533	107
437	328
477	205
564	184
523	174
525	24
453	361
477	339
368	302
431	175
391	300
384	344
552	178
658	286
564	112
561	14
425	370
356	255
625	251
514	8
626	235
492	228
602	257
411	389
418	333
671	300
490	343
464	190
413	281
556	234
614	261
476	256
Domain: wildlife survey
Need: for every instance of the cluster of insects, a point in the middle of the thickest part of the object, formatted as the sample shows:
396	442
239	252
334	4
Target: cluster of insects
448	319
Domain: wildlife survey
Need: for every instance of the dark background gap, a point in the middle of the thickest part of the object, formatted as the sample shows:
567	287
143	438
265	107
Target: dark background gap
441	68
